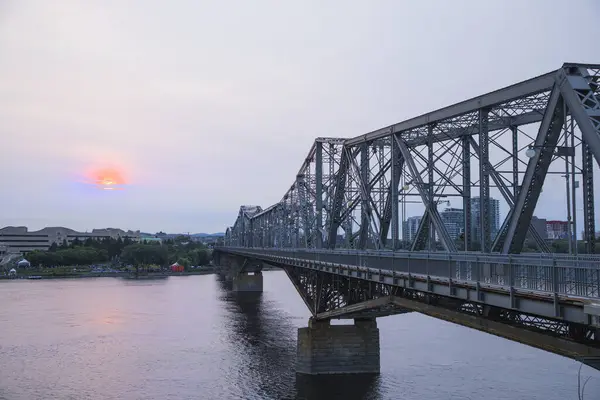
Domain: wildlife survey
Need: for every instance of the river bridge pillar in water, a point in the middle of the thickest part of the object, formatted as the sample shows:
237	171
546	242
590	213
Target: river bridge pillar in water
245	274
338	349
248	282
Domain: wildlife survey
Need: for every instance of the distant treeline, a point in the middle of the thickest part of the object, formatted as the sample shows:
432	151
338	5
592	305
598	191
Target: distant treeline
121	251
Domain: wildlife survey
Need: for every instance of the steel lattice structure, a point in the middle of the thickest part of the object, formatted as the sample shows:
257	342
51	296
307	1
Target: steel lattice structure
348	192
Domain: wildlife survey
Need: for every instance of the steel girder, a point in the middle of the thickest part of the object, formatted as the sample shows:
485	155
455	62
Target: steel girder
330	295
347	191
322	292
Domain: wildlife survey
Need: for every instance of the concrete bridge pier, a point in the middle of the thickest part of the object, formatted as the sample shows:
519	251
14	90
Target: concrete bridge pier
244	274
338	349
248	282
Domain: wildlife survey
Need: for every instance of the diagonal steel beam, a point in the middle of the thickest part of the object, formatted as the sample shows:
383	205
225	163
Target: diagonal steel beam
519	218
438	224
583	103
588	199
423	233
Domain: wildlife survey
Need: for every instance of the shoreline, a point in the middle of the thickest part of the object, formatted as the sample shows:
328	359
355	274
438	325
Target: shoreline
206	271
100	275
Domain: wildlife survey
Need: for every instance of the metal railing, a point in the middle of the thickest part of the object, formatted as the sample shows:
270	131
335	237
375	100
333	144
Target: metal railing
554	273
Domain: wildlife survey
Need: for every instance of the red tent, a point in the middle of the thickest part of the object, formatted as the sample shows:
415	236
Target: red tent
177	267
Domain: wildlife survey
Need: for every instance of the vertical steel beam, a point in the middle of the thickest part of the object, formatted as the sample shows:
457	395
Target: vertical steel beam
364	205
588	198
515	160
430	182
574	186
250	233
396	173
485	236
567	182
319	194
466	192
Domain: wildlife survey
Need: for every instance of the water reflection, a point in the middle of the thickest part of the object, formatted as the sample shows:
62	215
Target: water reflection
267	339
325	387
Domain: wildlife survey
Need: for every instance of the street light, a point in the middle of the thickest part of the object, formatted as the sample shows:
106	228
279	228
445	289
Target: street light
559	151
530	153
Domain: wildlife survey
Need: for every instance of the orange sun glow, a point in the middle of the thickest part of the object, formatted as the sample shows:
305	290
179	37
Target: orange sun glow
106	179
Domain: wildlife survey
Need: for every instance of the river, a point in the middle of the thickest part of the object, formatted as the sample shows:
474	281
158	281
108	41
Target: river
191	338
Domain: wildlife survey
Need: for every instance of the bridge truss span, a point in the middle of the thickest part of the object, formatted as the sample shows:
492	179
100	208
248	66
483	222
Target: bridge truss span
352	193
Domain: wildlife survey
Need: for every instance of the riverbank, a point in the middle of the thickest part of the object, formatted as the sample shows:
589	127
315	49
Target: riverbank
76	275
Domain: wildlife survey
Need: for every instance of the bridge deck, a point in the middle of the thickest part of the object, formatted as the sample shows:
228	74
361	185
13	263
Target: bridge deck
553	287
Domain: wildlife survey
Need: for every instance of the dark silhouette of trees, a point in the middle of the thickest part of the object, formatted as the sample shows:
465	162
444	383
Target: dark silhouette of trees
122	251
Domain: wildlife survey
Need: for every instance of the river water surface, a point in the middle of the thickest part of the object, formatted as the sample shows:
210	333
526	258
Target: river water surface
191	338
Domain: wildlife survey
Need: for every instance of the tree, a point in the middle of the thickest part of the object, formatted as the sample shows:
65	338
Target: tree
140	255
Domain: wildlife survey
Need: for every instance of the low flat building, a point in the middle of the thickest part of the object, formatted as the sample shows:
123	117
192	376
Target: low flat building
20	239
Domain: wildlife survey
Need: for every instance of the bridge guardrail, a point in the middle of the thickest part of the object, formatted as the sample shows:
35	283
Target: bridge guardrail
570	275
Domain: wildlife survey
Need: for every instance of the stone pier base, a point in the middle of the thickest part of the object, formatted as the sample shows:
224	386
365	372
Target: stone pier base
338	349
244	282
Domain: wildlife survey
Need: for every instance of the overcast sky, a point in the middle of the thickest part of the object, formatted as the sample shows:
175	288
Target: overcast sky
203	106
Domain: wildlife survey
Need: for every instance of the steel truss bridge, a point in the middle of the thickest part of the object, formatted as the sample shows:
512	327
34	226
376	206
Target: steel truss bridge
337	230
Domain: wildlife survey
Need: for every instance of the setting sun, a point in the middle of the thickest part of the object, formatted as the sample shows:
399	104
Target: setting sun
105	178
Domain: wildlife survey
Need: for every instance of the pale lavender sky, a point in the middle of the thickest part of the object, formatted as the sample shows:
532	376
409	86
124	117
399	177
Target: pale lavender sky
209	105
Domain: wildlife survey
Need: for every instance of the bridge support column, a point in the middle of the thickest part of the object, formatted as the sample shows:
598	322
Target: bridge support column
338	349
244	282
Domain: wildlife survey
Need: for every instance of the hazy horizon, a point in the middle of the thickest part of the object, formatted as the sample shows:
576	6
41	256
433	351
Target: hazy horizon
204	106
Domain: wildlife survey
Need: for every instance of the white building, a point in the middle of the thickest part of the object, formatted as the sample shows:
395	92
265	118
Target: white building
20	239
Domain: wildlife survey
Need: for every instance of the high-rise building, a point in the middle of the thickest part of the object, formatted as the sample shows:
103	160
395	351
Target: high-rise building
410	227
454	221
494	209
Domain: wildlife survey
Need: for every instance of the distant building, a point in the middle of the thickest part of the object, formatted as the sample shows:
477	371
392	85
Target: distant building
410	227
494	222
454	221
557	230
539	224
20	239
